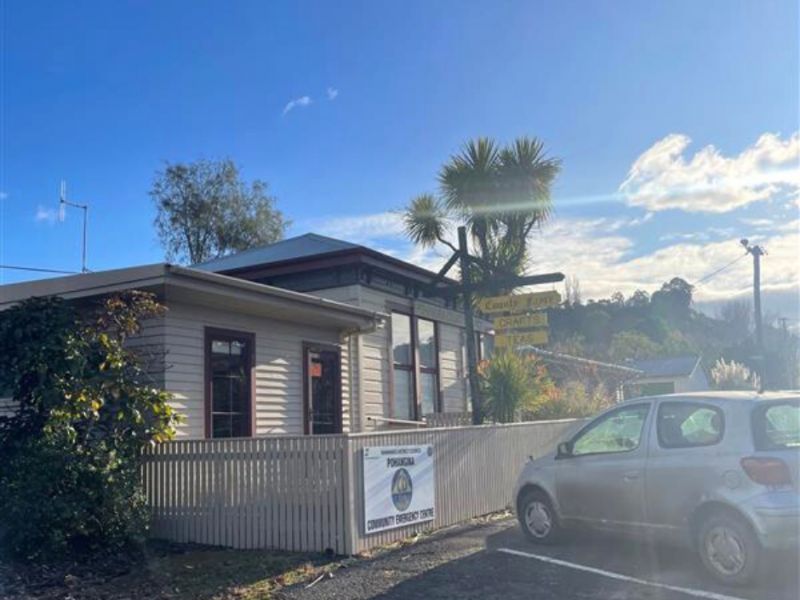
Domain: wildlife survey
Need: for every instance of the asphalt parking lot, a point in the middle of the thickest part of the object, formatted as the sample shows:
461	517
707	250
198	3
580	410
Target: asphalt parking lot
494	560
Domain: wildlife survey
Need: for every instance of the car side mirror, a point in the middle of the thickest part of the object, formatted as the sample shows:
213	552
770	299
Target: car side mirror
564	450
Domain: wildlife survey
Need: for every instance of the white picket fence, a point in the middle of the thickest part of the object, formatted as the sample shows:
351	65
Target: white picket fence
305	493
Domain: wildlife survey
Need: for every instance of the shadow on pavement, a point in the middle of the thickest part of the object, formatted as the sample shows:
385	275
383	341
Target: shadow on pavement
489	574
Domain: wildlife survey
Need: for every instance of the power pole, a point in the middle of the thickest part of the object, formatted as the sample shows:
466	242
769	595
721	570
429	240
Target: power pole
757	252
469	325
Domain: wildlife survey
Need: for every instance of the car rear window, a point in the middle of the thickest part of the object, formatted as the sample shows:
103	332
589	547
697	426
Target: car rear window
686	425
777	425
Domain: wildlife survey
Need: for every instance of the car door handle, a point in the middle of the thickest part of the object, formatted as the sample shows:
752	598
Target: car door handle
631	476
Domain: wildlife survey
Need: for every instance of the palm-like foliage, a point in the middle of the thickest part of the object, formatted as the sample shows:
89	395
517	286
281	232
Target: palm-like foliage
500	194
425	221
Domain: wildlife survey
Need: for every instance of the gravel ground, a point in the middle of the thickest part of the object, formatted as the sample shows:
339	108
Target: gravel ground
376	577
470	562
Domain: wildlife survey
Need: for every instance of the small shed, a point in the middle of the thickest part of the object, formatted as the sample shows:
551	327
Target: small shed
668	375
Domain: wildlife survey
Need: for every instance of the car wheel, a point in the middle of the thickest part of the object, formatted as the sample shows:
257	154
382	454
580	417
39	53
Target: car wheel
537	518
729	549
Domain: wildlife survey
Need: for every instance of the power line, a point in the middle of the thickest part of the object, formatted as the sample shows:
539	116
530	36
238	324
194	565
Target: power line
37	270
720	270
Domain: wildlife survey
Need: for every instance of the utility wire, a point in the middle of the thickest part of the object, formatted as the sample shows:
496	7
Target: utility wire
718	271
36	269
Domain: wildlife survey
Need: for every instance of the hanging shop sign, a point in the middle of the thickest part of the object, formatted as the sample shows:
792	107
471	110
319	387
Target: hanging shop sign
528	338
519	303
398	486
502	323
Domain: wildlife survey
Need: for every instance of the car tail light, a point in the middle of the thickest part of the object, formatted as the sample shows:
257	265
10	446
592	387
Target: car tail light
767	471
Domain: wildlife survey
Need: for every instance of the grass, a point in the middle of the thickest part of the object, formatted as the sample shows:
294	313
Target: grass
170	572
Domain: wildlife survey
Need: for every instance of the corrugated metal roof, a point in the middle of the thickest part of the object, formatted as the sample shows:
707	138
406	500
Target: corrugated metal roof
148	277
556	357
673	366
308	244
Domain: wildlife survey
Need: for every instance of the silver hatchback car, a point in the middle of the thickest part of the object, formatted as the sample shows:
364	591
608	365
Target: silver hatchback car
718	469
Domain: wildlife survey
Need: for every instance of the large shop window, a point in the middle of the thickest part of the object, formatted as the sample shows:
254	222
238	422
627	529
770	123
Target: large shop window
229	360
415	355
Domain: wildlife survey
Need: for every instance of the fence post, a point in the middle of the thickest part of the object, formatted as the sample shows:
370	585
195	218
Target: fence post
351	498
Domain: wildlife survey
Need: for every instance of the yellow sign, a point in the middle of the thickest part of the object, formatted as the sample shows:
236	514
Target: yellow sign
513	340
520	321
519	304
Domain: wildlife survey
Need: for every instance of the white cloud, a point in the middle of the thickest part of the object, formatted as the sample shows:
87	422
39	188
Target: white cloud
603	263
332	93
601	254
759	223
663	178
360	229
302	101
788	227
671	237
46	215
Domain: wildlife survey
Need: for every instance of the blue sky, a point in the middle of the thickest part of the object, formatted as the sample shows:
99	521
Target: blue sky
102	93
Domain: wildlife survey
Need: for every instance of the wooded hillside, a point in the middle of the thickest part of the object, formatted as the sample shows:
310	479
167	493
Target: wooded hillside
666	324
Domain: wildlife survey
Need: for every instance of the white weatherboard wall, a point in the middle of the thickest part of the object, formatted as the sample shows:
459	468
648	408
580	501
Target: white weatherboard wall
696	382
278	377
372	354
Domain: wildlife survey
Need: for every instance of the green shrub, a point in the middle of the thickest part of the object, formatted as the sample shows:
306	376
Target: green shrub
572	400
513	386
70	480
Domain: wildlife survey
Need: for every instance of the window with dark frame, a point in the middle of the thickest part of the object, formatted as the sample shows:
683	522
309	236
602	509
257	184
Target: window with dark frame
229	360
415	363
428	353
689	425
617	431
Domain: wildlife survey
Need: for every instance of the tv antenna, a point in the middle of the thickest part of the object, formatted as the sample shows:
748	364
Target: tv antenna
63	203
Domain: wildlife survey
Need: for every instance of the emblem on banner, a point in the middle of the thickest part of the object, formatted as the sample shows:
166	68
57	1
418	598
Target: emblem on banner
402	490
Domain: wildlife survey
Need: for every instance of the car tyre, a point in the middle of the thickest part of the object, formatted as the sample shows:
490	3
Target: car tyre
538	519
729	549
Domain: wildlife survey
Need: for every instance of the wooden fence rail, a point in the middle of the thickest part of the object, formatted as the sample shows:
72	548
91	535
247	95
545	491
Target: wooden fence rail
305	493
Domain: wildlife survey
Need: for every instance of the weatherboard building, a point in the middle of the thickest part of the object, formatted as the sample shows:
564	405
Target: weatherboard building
309	335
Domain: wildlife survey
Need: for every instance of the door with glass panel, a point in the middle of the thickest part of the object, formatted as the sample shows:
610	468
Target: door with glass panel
323	398
229	396
602	477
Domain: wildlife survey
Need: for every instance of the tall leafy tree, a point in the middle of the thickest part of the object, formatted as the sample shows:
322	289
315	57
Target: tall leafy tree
674	298
501	193
205	210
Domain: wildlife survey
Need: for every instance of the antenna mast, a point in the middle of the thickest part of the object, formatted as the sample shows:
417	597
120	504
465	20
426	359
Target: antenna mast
62	204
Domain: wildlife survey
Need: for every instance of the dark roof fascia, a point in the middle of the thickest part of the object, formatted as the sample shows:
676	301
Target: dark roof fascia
362	255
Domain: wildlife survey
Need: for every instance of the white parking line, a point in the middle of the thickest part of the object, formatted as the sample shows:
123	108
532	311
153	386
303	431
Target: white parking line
621	577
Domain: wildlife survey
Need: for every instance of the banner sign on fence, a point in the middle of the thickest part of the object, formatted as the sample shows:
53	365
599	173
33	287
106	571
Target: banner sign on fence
398	486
